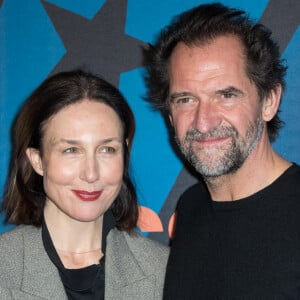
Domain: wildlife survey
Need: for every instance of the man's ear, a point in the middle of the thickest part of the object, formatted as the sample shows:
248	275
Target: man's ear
35	159
271	103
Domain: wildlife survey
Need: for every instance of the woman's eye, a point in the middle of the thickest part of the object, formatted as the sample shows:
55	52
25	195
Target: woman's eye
108	149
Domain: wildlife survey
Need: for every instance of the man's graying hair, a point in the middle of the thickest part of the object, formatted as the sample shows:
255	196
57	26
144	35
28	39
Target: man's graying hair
202	25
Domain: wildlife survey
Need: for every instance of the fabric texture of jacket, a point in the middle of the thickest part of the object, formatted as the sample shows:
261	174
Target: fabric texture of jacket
134	267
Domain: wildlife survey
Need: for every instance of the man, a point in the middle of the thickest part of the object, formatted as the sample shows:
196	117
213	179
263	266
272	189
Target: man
219	78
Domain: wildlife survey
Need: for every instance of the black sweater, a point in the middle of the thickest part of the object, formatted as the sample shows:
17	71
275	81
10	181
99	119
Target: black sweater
246	249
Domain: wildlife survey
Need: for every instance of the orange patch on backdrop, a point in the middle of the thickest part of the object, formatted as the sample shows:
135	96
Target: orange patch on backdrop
148	220
171	226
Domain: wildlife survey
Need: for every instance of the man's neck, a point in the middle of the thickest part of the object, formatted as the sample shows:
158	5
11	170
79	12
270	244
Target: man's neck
257	172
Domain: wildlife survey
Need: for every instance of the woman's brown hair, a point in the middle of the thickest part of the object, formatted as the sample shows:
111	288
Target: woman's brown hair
24	197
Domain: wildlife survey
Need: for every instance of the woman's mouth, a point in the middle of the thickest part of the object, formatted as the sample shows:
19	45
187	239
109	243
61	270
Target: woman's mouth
87	196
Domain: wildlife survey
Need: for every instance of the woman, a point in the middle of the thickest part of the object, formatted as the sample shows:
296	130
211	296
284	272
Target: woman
70	193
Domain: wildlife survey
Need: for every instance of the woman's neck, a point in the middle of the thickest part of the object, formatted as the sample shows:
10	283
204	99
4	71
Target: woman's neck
75	260
72	236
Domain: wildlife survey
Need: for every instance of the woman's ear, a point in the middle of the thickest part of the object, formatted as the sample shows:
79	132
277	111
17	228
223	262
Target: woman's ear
171	119
271	103
35	159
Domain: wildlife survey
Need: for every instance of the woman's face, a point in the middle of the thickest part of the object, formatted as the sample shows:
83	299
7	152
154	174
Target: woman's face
82	161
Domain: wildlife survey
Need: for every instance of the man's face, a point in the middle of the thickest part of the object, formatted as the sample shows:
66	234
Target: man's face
214	107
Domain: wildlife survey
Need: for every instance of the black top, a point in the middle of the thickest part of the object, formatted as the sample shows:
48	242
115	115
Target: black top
85	283
245	249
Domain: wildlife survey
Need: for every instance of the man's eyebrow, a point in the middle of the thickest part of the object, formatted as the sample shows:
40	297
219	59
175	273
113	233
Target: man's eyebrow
178	95
230	89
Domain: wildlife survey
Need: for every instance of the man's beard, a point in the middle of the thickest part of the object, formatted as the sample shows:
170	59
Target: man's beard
223	159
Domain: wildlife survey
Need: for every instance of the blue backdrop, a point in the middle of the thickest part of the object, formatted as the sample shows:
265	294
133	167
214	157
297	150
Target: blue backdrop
39	38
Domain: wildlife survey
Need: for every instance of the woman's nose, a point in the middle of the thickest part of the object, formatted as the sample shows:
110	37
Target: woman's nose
90	169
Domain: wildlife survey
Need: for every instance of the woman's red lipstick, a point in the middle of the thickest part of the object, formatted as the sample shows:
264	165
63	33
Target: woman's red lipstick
87	196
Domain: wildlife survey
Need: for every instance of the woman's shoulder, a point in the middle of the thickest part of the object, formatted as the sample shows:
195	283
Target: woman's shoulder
11	255
134	265
12	241
142	247
11	236
137	240
150	255
16	234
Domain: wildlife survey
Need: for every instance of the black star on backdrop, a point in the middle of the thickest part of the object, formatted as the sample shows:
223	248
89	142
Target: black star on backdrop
98	45
283	18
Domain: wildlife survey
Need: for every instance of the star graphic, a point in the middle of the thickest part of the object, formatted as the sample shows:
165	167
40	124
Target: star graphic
98	45
282	17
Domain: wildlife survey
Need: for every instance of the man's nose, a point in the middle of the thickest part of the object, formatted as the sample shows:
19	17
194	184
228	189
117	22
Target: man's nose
206	117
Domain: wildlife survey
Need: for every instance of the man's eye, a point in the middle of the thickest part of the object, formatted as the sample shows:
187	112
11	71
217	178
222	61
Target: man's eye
70	150
228	95
184	100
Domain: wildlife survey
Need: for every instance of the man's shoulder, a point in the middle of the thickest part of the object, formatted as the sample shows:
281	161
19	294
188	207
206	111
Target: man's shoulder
196	189
294	170
195	196
289	181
